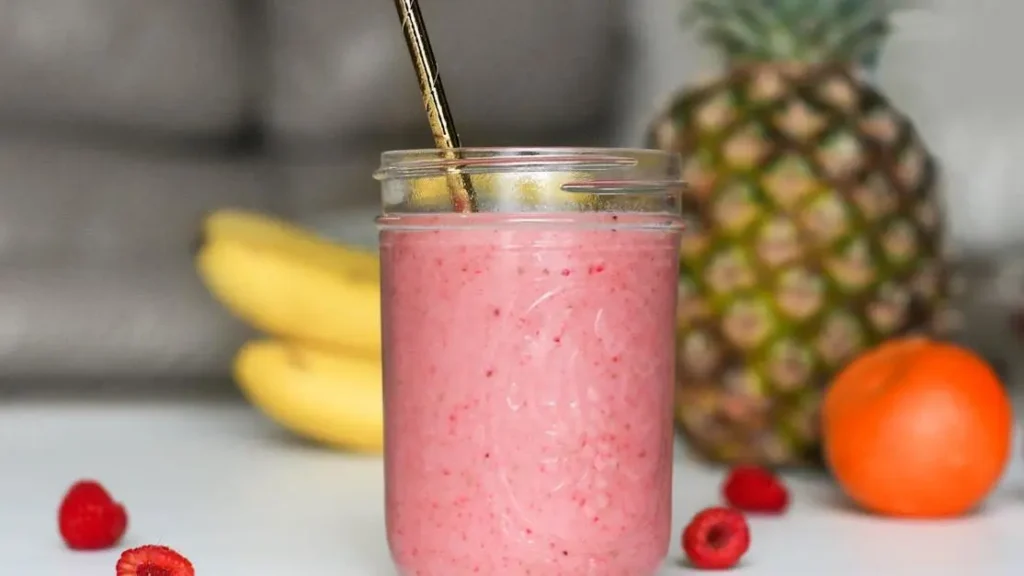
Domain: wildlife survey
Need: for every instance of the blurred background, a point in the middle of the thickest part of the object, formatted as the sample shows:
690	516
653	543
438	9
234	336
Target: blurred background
122	122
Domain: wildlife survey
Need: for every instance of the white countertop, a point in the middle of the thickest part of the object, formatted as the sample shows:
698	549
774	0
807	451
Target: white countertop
226	488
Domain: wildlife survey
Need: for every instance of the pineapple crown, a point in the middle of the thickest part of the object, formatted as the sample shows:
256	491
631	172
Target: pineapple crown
810	31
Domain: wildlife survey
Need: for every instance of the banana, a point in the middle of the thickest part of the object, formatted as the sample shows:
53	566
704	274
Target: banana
289	282
332	399
522	189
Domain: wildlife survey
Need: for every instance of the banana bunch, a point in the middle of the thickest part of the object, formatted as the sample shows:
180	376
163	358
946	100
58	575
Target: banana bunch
318	373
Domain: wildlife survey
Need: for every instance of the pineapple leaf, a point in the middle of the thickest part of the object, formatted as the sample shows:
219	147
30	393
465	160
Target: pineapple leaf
727	25
733	48
862	34
812	31
865	46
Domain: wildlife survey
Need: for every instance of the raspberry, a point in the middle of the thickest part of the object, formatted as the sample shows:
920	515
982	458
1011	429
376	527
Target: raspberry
153	561
754	489
89	518
716	538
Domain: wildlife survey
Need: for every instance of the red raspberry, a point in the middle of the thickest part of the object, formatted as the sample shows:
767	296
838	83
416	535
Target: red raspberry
754	489
716	538
89	519
153	561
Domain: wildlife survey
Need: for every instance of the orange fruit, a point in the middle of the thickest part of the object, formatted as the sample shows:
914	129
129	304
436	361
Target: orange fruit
917	428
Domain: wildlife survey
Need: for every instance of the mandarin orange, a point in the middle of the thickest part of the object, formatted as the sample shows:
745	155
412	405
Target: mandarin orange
917	428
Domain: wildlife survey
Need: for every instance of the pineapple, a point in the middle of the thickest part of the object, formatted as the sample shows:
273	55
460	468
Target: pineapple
818	229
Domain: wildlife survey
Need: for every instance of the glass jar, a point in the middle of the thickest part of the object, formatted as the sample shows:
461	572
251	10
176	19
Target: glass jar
529	359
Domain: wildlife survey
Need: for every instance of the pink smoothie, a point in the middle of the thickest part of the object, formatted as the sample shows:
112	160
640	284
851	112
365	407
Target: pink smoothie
528	394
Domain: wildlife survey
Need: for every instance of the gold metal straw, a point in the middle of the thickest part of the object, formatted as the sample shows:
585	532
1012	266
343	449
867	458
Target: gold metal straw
438	114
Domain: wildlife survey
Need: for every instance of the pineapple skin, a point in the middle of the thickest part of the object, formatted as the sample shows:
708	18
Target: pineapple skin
817	234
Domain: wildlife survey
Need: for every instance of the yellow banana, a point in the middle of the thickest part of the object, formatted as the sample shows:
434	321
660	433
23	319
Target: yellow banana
289	282
529	190
332	399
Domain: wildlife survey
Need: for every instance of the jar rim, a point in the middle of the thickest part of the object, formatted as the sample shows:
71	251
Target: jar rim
430	162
